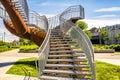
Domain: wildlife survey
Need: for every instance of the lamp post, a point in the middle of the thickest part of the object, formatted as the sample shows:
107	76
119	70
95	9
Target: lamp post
4	36
100	36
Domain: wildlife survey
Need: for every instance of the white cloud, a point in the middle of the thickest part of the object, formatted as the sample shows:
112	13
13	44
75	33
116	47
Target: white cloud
111	9
47	15
101	23
55	4
106	16
8	36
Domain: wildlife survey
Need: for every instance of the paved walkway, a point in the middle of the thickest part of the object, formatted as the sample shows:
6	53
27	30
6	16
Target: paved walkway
108	57
7	59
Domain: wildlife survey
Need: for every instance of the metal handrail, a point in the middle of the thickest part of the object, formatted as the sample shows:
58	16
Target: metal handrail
3	14
37	20
22	7
15	3
44	48
42	56
27	73
83	41
72	12
80	37
40	23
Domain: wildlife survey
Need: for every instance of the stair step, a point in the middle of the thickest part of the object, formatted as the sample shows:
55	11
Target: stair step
59	45
78	51
56	37
60	78
66	65
62	39
65	51
60	48
58	42
68	55
67	60
55	30
53	33
67	72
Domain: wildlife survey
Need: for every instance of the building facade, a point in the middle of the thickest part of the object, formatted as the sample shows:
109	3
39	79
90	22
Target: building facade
95	36
113	31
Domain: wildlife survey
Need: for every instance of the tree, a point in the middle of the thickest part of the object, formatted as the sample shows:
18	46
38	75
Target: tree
89	34
84	26
104	35
81	24
25	41
117	37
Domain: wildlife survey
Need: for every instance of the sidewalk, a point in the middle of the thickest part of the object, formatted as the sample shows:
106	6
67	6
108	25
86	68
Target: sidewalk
111	58
7	59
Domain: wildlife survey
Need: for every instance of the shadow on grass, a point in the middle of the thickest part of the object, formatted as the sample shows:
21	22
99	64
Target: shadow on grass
6	64
30	63
27	64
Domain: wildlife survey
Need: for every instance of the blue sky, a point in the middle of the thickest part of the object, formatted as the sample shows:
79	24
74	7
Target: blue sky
98	13
92	7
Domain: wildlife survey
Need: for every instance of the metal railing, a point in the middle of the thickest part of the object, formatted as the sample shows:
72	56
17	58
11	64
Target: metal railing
38	21
43	51
27	73
66	26
22	7
80	37
82	40
73	12
31	18
3	13
77	34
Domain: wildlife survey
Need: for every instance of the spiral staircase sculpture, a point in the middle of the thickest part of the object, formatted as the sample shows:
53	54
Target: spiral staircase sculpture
55	36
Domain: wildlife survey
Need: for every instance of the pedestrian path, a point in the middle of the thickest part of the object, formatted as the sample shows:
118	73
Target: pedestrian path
111	58
111	61
7	59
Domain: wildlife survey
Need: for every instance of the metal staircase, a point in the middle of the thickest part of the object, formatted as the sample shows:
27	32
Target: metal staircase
57	59
22	8
63	63
31	18
19	7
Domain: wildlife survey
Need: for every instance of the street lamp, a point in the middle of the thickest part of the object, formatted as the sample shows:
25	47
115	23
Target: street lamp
99	36
4	36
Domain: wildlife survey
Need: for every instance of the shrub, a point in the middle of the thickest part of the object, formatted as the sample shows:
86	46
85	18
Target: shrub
102	47
29	47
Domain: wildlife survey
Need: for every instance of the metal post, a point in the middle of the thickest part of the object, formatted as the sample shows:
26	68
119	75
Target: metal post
100	37
4	36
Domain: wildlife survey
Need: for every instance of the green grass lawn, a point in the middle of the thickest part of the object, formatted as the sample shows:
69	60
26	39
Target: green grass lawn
28	64
107	71
5	46
3	49
104	71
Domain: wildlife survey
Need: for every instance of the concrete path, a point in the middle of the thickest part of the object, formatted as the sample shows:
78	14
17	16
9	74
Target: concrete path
111	58
7	59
